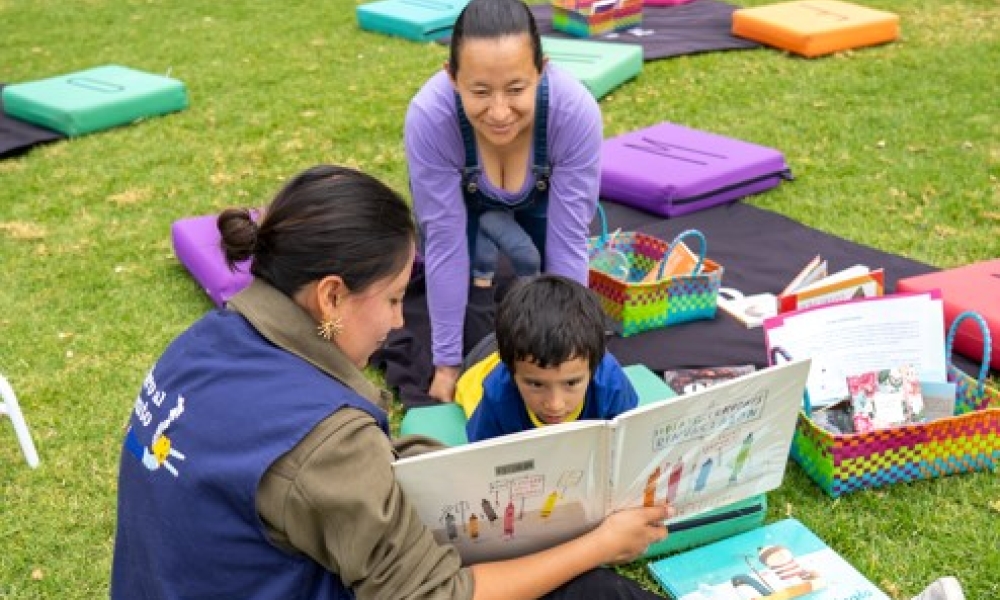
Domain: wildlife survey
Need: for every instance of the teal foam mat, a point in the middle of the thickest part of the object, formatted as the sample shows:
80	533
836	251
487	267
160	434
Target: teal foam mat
94	99
600	66
418	20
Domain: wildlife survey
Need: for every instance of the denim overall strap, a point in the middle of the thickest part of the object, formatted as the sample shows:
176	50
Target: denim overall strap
541	166
530	210
533	216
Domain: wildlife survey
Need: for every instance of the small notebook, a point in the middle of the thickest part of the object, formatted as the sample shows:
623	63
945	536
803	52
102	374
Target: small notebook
781	560
974	287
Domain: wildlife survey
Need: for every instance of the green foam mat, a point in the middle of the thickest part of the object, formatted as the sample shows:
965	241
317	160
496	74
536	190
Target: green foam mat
648	385
600	66
418	20
94	99
443	422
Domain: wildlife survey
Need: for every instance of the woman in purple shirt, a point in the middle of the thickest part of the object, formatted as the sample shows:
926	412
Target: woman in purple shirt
497	129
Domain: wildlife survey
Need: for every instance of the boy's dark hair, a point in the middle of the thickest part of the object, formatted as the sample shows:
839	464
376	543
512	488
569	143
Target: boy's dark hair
549	319
327	220
491	19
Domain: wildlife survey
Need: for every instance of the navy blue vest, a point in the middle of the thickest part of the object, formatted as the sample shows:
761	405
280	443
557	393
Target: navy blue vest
531	210
218	408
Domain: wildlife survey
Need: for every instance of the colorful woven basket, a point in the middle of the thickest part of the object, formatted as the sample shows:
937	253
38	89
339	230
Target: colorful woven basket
966	442
633	298
589	18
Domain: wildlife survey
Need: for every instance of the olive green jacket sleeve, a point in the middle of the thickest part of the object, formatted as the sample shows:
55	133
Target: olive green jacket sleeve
334	497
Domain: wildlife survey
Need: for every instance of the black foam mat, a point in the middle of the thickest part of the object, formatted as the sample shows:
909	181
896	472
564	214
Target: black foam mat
760	251
666	31
17	137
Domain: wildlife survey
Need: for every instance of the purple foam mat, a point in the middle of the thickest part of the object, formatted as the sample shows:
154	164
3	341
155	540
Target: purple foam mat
196	245
672	170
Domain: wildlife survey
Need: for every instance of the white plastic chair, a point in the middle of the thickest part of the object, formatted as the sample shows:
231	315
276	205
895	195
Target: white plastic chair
11	408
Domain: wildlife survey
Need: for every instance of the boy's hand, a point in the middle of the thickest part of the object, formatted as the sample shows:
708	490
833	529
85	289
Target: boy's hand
628	533
443	384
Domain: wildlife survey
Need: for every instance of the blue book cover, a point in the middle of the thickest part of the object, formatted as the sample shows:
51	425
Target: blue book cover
779	561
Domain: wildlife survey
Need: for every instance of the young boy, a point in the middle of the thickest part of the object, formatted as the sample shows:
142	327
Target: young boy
550	363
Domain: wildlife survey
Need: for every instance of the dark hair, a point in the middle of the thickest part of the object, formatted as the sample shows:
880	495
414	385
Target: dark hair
328	220
549	319
491	19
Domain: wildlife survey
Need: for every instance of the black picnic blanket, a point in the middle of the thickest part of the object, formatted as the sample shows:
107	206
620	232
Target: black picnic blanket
759	250
666	31
17	136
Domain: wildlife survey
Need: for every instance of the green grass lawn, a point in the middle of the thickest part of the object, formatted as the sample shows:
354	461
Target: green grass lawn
895	147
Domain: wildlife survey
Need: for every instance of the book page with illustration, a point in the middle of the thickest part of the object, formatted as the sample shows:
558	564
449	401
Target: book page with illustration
730	442
514	494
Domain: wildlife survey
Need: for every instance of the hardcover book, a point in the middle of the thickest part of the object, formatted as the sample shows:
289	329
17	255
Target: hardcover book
849	284
524	492
814	270
685	381
779	561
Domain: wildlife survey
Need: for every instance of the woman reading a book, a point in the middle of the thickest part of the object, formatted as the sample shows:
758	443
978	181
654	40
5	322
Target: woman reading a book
257	461
498	129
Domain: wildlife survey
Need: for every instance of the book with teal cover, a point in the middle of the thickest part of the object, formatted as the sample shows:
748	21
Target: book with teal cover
779	561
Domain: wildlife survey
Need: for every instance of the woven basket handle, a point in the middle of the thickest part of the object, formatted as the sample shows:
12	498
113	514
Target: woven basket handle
603	239
779	352
701	251
984	368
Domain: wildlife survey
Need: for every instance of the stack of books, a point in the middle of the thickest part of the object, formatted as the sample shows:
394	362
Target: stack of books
812	286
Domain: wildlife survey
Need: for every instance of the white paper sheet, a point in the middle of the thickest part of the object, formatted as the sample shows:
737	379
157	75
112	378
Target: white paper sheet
863	335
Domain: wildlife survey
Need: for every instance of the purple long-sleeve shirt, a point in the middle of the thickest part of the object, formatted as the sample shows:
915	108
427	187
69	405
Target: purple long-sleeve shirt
435	156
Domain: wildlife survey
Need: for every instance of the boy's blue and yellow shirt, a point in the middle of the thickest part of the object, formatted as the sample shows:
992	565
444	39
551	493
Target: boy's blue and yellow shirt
493	405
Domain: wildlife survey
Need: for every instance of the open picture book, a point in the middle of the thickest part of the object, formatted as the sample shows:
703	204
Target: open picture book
528	491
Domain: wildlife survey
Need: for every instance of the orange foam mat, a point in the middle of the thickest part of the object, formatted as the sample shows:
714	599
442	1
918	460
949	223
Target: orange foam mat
813	28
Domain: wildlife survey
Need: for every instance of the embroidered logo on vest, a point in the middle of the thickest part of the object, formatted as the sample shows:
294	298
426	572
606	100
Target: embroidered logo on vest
160	449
